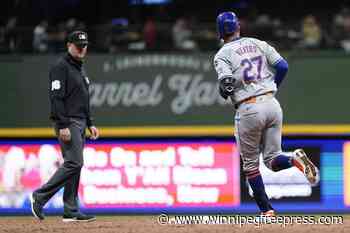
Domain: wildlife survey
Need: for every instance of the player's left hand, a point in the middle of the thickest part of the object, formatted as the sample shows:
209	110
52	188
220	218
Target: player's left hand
94	132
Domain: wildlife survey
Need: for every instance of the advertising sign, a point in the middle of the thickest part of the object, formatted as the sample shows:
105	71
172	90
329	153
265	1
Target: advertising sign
183	175
175	174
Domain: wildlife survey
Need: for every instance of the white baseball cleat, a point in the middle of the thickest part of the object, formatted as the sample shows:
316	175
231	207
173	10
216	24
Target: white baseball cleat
269	213
304	164
265	217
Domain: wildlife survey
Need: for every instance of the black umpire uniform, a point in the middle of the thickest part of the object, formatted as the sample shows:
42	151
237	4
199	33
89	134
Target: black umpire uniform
69	97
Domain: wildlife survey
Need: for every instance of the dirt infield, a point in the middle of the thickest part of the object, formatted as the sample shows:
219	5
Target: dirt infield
149	224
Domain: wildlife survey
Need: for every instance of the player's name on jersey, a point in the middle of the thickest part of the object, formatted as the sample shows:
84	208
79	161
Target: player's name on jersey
246	49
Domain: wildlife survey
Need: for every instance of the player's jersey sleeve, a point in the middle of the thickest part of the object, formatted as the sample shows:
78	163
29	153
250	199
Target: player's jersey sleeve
270	52
224	64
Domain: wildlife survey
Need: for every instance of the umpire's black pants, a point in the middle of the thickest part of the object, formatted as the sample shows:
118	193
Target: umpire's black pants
68	174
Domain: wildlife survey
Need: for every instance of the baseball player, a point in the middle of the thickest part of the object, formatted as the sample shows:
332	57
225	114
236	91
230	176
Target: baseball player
249	72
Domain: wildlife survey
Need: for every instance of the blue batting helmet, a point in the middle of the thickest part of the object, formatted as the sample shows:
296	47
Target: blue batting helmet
227	23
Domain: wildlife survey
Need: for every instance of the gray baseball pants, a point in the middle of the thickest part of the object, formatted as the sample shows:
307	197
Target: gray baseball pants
258	129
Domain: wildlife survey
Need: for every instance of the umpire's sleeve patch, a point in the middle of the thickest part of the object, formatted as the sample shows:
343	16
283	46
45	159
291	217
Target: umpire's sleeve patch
55	85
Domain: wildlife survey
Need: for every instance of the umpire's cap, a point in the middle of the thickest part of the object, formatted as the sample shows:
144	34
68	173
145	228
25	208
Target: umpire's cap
226	23
78	38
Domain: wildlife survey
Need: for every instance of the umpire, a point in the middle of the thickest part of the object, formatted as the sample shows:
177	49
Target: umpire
70	112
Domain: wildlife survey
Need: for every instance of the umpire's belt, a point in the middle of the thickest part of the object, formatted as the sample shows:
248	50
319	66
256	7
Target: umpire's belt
253	99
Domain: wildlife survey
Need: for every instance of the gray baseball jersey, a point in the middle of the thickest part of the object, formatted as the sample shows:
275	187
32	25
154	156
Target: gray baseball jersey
248	61
258	126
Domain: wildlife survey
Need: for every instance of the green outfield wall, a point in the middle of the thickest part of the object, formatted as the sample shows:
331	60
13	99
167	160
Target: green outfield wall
172	90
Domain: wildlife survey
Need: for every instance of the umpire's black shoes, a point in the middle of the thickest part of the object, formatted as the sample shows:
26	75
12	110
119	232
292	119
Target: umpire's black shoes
37	208
78	217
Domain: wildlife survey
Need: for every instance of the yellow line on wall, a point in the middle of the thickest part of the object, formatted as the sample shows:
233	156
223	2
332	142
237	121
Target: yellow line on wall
164	131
